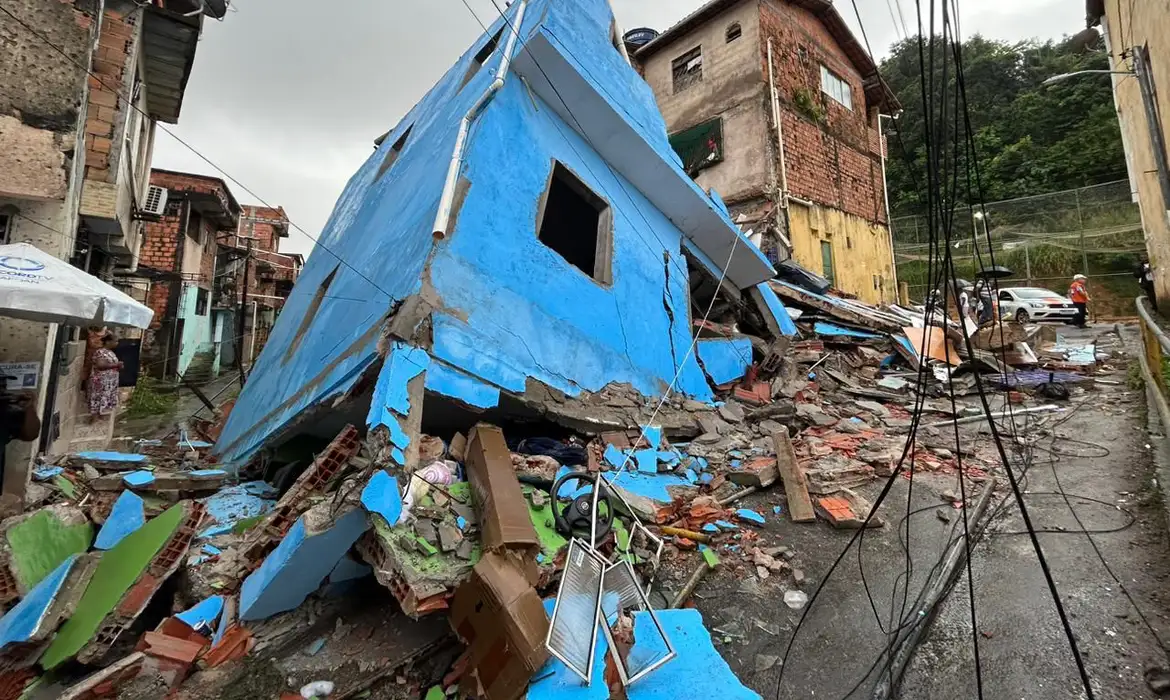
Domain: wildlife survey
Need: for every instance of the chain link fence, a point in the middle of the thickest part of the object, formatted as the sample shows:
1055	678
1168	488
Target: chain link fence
1044	239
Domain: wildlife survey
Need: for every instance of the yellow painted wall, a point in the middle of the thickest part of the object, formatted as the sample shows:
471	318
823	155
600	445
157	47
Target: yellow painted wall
1126	24
863	257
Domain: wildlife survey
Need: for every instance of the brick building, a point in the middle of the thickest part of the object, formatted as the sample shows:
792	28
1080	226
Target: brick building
197	258
775	105
179	254
270	277
82	86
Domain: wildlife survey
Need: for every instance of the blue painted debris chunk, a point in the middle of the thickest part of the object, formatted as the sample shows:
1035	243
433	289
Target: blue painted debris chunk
647	461
230	505
777	510
111	457
139	478
832	329
212	550
653	435
461	522
298	565
699	668
724	359
205	612
554	681
382	496
724	525
449	381
46	473
711	527
403	363
750	515
614	456
23	622
348	569
127	515
652	486
207	473
776	309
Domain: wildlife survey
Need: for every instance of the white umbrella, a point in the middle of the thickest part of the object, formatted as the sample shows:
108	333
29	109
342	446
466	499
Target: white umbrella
39	287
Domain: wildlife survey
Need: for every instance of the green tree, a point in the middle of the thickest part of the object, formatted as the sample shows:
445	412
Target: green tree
1029	138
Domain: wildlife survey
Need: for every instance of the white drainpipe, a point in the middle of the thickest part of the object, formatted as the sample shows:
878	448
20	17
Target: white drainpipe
443	218
778	117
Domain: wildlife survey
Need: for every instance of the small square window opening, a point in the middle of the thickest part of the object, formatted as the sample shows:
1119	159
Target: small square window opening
201	301
481	57
687	69
394	152
827	262
734	32
577	224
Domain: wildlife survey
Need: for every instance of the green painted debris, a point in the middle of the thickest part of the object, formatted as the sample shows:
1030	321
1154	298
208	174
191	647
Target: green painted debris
710	557
551	541
42	541
65	486
119	569
431	550
435	693
246	524
623	542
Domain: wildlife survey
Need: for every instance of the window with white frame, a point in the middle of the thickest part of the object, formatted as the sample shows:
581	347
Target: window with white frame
835	86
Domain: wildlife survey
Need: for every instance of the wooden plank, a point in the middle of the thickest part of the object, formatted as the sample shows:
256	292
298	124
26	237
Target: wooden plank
800	507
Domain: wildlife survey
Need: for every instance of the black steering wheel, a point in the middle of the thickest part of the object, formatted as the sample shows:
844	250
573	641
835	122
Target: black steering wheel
577	516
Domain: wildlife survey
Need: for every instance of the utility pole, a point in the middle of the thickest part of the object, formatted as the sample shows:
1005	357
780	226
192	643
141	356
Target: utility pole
243	313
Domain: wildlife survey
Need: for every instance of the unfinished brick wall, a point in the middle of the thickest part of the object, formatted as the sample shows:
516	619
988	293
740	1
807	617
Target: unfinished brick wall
833	153
112	69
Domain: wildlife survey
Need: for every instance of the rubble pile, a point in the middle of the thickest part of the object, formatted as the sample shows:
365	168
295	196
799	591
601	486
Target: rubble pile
143	568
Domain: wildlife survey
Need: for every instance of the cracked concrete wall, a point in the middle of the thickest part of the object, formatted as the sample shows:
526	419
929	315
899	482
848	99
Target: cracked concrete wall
42	94
506	308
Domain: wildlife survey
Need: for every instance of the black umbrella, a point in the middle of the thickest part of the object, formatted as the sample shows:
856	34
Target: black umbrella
995	272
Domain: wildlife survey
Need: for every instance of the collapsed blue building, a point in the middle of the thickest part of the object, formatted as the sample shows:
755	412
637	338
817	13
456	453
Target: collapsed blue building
525	230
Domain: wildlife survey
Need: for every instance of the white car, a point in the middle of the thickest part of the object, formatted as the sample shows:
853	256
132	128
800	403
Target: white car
1028	304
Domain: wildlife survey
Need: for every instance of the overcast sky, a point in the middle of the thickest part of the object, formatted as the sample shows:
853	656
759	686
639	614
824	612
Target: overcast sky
288	96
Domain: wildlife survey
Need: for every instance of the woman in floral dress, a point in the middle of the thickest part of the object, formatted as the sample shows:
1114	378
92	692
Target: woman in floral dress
103	379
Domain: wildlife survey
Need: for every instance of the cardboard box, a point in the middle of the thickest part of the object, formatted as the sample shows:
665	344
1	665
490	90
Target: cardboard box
502	618
503	510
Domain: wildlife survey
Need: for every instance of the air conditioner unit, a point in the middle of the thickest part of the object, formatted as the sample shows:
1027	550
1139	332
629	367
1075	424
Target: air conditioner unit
156	201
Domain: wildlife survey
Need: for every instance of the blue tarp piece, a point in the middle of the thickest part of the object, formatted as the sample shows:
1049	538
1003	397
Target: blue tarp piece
111	457
724	359
127	515
139	478
382	496
832	329
205	612
23	622
776	308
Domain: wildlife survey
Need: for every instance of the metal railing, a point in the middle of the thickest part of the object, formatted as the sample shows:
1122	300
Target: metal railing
1155	347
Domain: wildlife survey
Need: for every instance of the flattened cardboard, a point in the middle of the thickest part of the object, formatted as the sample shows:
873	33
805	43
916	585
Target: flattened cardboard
501	616
503	510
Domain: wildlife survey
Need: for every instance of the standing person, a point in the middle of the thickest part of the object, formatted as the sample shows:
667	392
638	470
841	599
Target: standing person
18	419
1079	293
1145	277
986	305
103	379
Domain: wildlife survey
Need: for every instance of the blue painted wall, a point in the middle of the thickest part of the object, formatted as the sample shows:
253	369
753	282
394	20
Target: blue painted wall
514	308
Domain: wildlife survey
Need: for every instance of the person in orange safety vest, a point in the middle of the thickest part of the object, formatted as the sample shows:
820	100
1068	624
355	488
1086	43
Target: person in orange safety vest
1079	294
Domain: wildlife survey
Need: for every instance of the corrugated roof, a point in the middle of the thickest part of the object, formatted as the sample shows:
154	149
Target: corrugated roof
876	89
169	44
